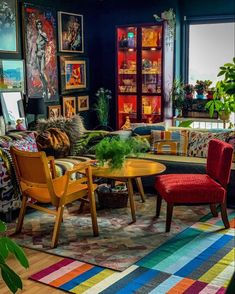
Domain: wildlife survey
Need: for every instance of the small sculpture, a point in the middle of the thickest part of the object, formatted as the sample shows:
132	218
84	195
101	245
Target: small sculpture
127	124
19	125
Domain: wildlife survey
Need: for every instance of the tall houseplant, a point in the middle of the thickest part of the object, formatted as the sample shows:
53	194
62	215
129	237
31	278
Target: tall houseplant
102	106
7	246
177	95
224	97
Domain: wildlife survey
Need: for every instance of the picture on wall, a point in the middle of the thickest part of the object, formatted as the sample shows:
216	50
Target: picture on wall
70	32
69	106
73	74
83	103
54	111
40	52
12	75
8	26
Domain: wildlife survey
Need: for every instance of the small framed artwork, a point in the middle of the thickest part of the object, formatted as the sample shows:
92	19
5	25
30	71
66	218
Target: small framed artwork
83	103
9	28
73	73
70	30
69	106
12	75
54	111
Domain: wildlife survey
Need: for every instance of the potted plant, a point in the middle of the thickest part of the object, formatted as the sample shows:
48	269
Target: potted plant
177	95
102	106
7	246
224	97
189	91
210	93
113	151
201	87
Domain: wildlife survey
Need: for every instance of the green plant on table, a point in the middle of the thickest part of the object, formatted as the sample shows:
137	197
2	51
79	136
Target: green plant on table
115	150
224	96
102	105
12	280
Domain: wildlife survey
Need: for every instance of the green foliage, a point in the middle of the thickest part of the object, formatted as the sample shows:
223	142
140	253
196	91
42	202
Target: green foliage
7	246
115	150
224	96
102	106
177	94
186	124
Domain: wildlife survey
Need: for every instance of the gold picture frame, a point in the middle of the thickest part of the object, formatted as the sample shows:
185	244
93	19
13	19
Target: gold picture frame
69	106
54	111
83	103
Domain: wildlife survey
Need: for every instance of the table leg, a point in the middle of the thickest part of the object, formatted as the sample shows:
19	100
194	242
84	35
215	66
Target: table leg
140	188
131	198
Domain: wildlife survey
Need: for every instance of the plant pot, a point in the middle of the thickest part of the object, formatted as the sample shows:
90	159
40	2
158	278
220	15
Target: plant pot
224	115
189	96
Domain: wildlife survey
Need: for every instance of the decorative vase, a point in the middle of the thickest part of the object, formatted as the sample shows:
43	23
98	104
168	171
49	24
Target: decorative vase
209	95
224	115
200	95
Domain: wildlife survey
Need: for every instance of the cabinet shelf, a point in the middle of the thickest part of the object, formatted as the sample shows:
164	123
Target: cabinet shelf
152	48
127	49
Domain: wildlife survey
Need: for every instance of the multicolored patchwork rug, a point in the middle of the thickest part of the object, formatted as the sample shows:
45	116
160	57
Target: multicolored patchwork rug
198	260
119	245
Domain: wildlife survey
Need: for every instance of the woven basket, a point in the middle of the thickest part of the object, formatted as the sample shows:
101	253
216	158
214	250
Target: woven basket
112	199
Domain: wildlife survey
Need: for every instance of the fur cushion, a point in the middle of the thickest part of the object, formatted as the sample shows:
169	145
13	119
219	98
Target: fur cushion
54	142
73	127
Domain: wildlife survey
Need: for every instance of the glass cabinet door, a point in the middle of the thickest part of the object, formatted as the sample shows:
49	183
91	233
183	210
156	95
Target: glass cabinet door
127	60
151	108
127	110
151	59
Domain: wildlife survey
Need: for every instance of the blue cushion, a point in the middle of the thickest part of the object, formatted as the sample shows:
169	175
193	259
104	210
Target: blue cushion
146	130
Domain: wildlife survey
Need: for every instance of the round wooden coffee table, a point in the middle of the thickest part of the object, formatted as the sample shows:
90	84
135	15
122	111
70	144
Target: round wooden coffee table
132	169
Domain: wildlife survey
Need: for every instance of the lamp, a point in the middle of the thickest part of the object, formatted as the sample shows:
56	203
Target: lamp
35	106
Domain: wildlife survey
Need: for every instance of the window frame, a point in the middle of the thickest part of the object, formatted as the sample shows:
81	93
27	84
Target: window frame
197	20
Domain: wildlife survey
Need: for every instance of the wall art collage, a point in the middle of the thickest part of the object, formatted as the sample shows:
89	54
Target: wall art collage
44	71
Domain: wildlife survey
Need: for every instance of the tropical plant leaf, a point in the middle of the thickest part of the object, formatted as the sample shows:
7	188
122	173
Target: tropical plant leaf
3	226
3	249
18	252
211	110
228	64
11	279
221	73
185	124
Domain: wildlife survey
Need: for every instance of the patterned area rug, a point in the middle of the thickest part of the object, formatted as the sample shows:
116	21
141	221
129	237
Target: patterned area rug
119	245
198	260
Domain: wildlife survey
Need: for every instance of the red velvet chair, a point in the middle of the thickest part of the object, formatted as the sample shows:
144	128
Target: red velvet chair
209	188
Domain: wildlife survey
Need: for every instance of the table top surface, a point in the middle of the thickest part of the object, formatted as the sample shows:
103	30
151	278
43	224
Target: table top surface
132	168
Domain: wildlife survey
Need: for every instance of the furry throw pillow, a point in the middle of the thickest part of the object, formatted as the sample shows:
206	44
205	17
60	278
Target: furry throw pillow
73	127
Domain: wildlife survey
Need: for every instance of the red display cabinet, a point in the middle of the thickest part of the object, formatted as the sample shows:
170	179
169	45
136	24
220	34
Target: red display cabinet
139	74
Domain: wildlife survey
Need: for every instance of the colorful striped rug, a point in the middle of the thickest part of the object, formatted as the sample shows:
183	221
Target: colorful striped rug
198	260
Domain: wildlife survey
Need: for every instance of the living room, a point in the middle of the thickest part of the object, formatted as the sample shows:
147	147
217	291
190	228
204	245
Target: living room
108	90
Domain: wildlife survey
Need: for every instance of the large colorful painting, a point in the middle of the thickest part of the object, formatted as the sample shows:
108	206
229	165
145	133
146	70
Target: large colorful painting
40	52
70	32
12	75
8	26
73	74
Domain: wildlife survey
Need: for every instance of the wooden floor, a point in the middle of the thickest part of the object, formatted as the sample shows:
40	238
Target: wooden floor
37	261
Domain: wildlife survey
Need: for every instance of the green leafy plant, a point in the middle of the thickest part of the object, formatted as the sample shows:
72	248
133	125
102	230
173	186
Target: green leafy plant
185	124
202	86
115	150
102	105
12	280
224	96
188	88
177	94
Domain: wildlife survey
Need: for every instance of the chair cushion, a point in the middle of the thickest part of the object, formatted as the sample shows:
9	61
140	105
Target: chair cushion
189	188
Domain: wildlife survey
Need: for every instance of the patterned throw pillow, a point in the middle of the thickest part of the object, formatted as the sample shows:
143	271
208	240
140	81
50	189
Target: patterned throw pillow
169	142
27	143
198	142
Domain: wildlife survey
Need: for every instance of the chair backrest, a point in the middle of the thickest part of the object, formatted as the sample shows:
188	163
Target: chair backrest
32	169
219	161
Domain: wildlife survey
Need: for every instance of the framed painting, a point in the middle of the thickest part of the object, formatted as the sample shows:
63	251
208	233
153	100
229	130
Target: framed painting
8	26
69	106
70	32
12	75
73	74
54	111
83	103
40	52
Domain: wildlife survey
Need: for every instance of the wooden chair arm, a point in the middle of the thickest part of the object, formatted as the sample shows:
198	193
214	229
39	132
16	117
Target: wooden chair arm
51	161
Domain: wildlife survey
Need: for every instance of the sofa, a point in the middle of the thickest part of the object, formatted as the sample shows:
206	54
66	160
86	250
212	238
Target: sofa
178	156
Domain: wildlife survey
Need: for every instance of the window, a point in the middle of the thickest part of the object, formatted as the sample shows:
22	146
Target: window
209	43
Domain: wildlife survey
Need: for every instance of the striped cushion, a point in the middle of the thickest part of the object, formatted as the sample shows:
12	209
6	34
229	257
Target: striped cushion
170	142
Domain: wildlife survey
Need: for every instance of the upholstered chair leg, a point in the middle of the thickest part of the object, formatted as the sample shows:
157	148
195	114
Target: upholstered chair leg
93	214
56	231
159	205
224	215
169	216
21	215
213	210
